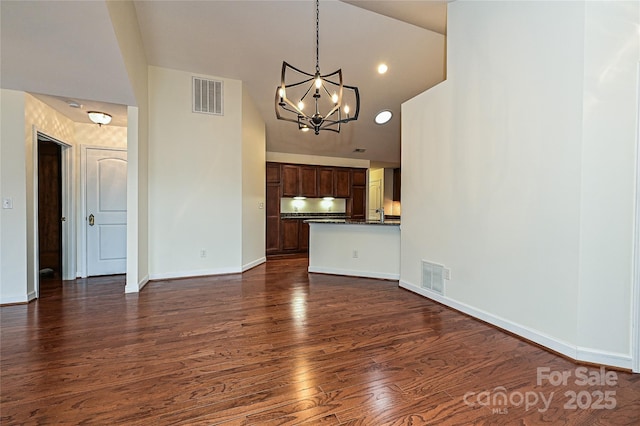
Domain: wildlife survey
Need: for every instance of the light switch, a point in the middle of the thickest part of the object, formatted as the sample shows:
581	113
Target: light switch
7	203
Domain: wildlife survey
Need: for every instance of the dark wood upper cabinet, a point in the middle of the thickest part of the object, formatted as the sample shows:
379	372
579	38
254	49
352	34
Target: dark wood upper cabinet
359	177
273	173
326	182
290	180
308	181
342	179
396	184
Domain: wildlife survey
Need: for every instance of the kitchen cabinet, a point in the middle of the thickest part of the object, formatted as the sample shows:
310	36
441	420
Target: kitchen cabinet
308	181
358	177
326	182
342	179
273	173
272	237
303	236
358	202
396	184
290	180
290	234
299	181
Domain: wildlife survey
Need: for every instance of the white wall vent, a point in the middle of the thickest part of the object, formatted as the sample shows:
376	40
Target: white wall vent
433	277
207	96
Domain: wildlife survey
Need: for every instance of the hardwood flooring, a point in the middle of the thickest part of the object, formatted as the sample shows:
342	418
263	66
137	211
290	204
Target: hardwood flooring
278	346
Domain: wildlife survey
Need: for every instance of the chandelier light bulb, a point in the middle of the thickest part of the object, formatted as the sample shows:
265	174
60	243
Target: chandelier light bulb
346	109
300	105
281	92
318	82
334	98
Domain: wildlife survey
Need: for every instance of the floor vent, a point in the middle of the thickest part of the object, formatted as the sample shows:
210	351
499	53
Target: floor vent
207	96
433	277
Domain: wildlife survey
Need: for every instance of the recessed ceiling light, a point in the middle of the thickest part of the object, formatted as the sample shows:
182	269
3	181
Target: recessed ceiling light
382	68
383	116
74	104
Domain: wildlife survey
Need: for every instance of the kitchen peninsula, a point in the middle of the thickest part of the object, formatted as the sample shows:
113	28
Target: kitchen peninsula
355	247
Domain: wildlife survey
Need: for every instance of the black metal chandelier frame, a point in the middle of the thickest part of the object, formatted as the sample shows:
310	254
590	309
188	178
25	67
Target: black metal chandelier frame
319	86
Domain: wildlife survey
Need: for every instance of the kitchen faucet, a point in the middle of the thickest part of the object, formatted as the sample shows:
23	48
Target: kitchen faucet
381	211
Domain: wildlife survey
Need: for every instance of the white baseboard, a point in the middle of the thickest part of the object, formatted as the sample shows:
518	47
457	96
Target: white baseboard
354	273
31	296
8	300
572	351
135	288
194	273
253	264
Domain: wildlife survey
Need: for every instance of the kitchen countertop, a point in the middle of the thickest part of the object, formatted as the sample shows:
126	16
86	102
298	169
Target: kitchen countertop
354	222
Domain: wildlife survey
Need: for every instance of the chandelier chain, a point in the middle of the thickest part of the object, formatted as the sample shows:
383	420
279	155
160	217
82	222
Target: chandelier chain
318	36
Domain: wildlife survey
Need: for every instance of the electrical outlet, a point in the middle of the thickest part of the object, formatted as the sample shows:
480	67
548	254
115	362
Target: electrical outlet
203	253
355	254
447	273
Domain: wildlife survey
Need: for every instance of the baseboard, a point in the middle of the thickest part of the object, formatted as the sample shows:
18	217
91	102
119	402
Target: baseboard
253	264
144	281
605	358
571	351
13	300
194	273
354	273
31	296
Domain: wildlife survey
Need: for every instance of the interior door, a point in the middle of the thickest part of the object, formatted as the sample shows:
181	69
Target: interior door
375	199
49	209
106	211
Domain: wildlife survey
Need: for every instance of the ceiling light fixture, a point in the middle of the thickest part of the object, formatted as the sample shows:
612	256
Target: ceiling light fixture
99	118
382	68
328	92
383	116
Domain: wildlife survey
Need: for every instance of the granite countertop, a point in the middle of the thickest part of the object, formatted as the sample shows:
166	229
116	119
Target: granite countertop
355	222
307	215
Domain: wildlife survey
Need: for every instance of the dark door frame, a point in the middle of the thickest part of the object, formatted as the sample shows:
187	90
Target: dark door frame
68	229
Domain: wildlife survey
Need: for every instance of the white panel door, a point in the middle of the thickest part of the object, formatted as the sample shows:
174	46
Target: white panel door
375	199
106	219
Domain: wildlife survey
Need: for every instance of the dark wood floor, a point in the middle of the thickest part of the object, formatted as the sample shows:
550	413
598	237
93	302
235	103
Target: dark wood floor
276	345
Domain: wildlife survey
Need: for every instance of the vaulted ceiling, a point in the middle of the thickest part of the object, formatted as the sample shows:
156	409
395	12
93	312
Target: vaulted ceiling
69	50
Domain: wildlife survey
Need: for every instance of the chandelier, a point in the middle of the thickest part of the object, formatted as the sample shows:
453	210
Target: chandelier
327	95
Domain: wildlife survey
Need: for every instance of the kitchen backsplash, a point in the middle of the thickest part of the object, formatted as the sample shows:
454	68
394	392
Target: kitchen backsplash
313	205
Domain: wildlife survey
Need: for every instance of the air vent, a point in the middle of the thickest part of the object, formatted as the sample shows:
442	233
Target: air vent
359	150
433	277
207	96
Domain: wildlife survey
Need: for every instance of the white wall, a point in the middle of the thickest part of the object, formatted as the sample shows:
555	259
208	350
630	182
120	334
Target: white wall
125	25
195	179
43	118
21	160
500	182
610	110
13	222
253	183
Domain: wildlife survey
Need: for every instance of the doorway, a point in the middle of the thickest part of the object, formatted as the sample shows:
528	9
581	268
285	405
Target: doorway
50	218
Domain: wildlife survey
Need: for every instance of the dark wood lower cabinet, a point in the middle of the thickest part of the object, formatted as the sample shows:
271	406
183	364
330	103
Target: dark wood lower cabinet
290	235
303	236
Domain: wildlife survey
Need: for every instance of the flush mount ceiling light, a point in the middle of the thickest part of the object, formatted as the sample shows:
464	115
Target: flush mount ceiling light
382	68
326	93
99	118
383	116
